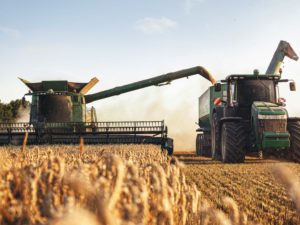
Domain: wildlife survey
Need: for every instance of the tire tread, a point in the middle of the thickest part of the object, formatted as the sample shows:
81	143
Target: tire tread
235	142
294	130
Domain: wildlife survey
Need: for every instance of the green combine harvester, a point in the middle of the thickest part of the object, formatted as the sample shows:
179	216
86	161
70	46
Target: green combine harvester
59	115
245	114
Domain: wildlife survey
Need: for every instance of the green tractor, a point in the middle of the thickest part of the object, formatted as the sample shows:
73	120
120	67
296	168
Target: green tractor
245	114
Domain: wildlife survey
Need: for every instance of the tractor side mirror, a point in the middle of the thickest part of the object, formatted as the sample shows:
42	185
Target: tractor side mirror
218	87
293	86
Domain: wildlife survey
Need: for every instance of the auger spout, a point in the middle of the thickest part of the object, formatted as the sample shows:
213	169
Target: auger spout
155	81
283	49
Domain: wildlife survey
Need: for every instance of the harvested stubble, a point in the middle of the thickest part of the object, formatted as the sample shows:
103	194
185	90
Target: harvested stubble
103	185
268	192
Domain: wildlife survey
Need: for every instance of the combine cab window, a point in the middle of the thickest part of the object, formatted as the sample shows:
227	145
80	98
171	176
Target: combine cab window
255	90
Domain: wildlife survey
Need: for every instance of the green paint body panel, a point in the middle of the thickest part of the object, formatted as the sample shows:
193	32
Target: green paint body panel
278	137
55	85
267	108
206	105
275	140
54	107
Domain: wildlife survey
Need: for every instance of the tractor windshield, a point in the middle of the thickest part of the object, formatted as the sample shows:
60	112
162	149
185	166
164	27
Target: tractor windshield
249	91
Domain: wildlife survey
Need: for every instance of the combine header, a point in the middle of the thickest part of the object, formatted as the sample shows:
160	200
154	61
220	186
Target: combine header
93	132
59	115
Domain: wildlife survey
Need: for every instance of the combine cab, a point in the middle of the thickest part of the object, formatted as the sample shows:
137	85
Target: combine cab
59	115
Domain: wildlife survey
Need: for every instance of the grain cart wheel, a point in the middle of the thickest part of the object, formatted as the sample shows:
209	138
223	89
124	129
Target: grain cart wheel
206	144
215	138
294	130
233	140
199	144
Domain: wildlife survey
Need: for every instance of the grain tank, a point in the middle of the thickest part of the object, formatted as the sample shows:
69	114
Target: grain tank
244	113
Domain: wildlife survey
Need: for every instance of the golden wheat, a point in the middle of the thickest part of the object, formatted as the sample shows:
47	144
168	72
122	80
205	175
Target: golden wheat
128	184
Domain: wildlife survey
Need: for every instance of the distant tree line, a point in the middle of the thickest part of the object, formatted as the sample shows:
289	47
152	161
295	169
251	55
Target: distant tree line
10	112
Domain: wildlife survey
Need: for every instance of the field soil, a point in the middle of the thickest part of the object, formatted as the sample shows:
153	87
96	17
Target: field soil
253	185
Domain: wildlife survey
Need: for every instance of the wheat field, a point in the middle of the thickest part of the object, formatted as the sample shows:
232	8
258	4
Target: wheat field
267	191
133	184
137	184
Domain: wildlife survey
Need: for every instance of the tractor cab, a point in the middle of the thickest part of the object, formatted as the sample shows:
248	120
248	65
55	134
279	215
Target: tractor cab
244	90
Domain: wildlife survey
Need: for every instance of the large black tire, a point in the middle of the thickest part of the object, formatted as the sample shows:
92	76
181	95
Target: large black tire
201	148
168	145
215	138
198	147
233	142
294	130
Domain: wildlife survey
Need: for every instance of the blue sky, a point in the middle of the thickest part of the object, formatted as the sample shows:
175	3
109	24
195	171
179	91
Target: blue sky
125	41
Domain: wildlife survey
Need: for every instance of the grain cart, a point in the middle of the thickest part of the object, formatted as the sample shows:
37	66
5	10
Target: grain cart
244	113
59	115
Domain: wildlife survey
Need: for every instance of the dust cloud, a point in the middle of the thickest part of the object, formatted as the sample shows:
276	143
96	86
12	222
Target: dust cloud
23	114
176	104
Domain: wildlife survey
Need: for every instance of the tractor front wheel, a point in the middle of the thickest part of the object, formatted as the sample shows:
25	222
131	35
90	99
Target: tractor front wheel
294	130
233	140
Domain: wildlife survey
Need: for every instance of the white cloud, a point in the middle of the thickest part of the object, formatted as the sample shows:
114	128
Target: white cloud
13	33
189	4
155	25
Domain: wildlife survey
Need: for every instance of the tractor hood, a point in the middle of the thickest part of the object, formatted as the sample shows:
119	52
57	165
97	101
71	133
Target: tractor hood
267	110
270	124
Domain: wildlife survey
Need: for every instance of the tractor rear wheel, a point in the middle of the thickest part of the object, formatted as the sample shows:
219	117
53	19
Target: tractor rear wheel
215	138
294	130
233	141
